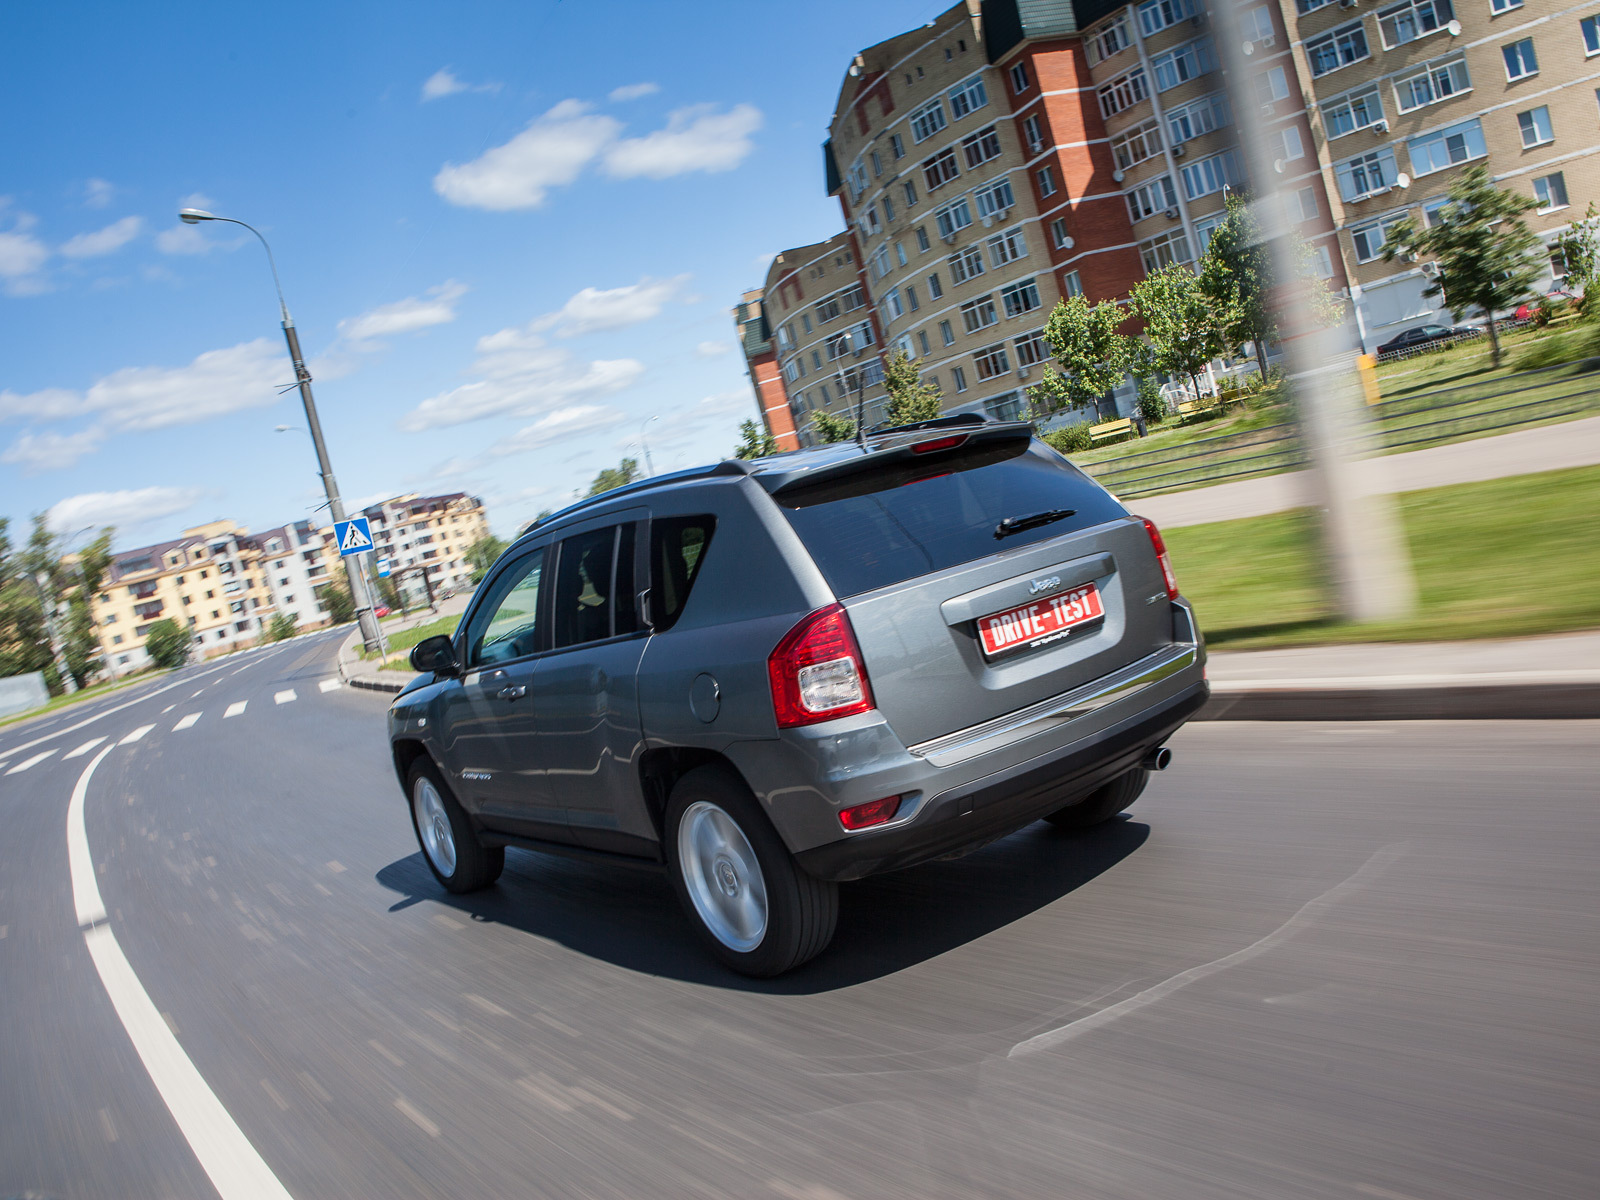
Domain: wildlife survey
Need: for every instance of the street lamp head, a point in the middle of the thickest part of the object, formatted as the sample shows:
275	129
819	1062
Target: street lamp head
193	216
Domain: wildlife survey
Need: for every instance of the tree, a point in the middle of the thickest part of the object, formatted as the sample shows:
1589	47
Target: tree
167	643
1488	258
1084	339
87	574
24	645
831	428
335	598
282	627
483	552
755	442
1580	248
624	472
389	593
1184	331
910	400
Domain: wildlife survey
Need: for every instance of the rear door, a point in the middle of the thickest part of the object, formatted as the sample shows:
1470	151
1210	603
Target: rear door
921	554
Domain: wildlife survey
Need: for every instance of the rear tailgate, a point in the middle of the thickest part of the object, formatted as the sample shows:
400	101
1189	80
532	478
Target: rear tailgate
909	547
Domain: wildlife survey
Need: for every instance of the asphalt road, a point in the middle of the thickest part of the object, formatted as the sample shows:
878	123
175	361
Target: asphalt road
1314	961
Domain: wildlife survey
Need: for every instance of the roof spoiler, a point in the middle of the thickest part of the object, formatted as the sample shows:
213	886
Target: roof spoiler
954	420
908	460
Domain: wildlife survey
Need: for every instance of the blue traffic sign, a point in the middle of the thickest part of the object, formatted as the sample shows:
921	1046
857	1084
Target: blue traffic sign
383	568
354	536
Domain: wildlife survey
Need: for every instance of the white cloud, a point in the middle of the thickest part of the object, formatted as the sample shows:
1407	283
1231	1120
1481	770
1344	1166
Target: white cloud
549	153
132	507
21	254
444	83
184	239
697	138
49	451
104	241
406	316
612	308
567	422
712	349
522	376
635	91
97	193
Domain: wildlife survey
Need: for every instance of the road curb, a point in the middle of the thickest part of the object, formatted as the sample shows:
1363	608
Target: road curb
1378	700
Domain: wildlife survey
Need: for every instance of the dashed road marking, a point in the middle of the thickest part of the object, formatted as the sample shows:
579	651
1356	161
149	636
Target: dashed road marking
329	685
84	749
30	762
187	722
136	735
422	1122
284	697
196	694
168	709
235	708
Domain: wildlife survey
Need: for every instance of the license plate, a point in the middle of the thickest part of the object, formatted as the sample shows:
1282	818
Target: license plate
1040	622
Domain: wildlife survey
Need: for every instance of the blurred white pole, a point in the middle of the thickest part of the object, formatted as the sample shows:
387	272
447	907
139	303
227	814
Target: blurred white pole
1364	550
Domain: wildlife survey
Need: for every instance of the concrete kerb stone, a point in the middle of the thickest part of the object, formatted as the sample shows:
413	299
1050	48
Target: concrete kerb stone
357	675
1442	699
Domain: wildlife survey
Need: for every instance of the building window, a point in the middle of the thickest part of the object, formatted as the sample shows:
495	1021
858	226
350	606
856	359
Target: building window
1503	6
827	309
927	121
116	640
880	261
911	298
959	376
888	209
953	217
967	98
992	361
1256	24
1550	191
1137	144
1416	18
940	169
1031	348
922	238
909	187
1151	198
1123	92
1047	181
1183	63
1367	175
1107	40
1033	134
897	146
1163	251
858	180
1007	247
1447	147
893	304
979	314
1591	35
994	199
877	164
1272	87
805	322
1156	15
1059	234
1205	229
1521	61
1352	112
980	147
922	340
1535	126
1437	82
900	254
1019	78
946	333
1337	48
1211	174
1306	203
1020	298
1369	240
1071	285
966	264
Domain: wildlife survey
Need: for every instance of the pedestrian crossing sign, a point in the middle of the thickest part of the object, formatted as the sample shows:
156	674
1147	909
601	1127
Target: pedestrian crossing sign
354	536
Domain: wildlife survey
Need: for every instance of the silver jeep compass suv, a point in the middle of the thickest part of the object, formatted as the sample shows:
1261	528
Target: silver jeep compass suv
770	676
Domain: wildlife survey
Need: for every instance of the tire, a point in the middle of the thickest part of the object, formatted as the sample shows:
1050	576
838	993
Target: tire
1101	805
450	845
756	910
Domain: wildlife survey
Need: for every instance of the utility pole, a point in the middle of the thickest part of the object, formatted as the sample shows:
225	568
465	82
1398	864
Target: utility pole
58	650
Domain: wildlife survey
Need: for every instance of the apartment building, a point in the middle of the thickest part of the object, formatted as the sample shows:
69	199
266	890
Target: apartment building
297	559
428	532
1404	96
209	580
761	364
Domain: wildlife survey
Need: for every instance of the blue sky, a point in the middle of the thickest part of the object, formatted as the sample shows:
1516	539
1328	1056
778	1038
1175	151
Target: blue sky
509	234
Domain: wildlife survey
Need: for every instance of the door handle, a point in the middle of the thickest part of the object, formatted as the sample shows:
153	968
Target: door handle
513	692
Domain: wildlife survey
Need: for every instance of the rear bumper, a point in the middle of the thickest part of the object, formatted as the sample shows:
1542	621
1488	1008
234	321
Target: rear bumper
991	807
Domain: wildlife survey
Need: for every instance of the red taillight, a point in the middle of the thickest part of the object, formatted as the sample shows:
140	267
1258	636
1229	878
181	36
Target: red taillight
1160	548
944	443
816	671
873	812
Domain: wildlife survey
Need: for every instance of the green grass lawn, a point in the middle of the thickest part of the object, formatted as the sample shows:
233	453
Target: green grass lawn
401	640
1498	559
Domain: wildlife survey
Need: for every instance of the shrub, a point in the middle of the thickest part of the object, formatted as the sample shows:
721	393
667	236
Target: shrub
167	643
282	627
1151	405
1073	439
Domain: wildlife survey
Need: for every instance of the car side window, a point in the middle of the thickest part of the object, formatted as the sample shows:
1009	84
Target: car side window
677	548
506	625
588	604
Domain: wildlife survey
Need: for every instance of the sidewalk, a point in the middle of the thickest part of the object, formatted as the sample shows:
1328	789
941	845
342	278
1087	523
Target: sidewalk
1547	448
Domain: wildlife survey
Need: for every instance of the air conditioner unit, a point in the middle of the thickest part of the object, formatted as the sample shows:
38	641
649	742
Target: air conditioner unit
1380	127
1269	109
1001	214
987	220
949	239
1172	214
1347	3
1179	151
1269	41
1198	20
1022	371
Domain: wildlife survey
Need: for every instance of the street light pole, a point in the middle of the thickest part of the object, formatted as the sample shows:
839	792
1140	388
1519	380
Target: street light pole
365	617
645	446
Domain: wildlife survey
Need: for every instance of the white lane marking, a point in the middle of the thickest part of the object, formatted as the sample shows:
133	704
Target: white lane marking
192	697
83	749
235	708
168	709
136	735
1308	912
187	722
30	762
284	697
234	1166
328	685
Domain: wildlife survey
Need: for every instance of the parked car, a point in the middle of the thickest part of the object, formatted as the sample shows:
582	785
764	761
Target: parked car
382	610
767	677
1556	295
1427	335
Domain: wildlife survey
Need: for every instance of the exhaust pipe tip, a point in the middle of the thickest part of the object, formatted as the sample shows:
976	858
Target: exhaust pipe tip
1157	760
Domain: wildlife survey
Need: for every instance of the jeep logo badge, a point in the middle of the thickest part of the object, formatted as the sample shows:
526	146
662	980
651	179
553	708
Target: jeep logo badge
1044	585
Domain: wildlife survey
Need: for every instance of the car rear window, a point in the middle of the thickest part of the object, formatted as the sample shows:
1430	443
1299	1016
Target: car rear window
871	530
677	548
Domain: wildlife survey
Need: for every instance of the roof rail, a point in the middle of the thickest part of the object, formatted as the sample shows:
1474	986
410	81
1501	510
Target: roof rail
954	419
730	466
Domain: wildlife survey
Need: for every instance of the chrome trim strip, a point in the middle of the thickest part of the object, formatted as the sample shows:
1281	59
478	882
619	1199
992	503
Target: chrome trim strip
957	747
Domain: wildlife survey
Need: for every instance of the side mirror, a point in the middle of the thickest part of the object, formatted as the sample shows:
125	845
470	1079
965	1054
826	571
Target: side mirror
436	654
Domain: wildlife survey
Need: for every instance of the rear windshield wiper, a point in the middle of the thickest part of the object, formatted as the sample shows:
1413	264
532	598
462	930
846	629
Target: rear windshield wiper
1032	521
